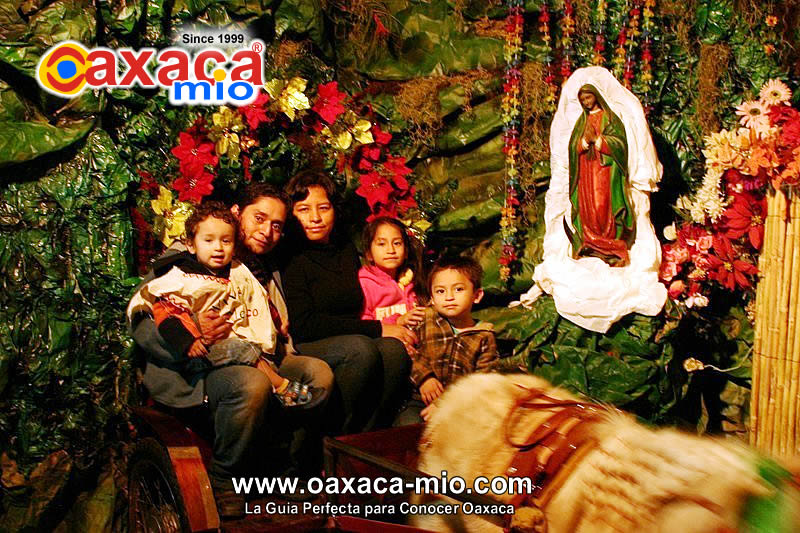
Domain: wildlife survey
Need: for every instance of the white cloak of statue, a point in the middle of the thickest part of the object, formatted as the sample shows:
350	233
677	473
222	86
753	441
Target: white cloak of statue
587	290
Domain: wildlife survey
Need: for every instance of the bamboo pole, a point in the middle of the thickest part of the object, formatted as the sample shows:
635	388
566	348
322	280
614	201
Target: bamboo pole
769	287
781	354
774	321
789	407
760	338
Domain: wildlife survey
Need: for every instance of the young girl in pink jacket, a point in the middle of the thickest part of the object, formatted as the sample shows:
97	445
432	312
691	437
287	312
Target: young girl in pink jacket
388	279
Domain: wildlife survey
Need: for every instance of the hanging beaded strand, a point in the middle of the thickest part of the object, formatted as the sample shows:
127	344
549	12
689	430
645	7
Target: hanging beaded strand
511	126
632	33
600	34
550	76
567	31
646	77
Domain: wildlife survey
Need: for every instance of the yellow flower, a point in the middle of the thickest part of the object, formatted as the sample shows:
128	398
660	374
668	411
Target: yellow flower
406	278
361	131
170	224
691	364
226	119
289	95
228	144
771	21
224	124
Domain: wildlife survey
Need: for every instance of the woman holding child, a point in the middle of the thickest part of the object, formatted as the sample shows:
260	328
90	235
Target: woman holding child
369	358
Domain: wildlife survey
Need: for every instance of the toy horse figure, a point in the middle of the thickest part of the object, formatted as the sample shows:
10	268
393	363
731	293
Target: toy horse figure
594	469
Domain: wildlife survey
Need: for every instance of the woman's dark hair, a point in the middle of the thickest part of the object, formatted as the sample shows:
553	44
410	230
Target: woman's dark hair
207	210
412	245
254	191
297	188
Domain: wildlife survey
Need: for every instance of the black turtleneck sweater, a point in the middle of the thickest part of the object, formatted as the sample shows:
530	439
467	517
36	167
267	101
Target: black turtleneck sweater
323	294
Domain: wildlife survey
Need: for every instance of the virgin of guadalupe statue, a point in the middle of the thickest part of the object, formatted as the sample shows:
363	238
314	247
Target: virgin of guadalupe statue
601	255
598	173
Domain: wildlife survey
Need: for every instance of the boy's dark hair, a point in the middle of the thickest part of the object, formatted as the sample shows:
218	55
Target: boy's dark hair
254	191
206	210
413	253
465	265
298	186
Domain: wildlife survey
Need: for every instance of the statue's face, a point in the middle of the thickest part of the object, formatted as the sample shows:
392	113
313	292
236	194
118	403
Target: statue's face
588	100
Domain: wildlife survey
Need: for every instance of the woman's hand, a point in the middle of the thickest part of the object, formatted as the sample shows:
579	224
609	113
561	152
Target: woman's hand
197	349
431	389
413	318
214	326
403	334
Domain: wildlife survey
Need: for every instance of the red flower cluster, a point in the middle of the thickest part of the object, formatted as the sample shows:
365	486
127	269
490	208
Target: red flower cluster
698	255
383	182
329	102
194	154
256	113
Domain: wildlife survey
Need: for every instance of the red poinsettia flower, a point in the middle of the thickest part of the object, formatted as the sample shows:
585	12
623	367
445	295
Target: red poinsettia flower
726	268
381	137
778	114
372	152
148	182
406	201
364	164
198	129
746	215
383	211
375	188
256	113
194	154
328	104
397	165
194	188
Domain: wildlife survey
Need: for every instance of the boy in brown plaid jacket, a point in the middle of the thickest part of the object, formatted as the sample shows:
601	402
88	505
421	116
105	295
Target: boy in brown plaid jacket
452	343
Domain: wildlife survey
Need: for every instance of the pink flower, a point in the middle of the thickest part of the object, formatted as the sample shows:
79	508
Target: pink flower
676	288
668	270
704	243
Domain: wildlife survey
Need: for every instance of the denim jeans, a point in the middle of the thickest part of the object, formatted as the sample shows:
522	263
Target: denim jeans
239	406
371	380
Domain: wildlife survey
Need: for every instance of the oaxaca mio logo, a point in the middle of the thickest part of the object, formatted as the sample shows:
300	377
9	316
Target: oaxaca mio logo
205	77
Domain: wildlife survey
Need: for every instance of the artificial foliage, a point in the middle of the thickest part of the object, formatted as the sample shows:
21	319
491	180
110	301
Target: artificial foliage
90	188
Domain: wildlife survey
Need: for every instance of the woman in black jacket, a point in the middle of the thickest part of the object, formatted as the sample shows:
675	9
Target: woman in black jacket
369	359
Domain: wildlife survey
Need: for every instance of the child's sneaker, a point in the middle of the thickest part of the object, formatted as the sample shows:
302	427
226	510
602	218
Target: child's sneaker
298	395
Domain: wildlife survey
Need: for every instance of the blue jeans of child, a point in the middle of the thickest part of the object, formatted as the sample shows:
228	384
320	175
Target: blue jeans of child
371	379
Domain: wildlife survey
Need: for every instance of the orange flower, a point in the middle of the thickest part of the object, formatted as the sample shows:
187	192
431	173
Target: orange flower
771	21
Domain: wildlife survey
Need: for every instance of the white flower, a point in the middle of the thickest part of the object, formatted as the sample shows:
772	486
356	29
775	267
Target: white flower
775	92
670	233
696	300
751	111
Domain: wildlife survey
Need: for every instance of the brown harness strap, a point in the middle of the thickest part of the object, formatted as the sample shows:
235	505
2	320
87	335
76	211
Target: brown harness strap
551	444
